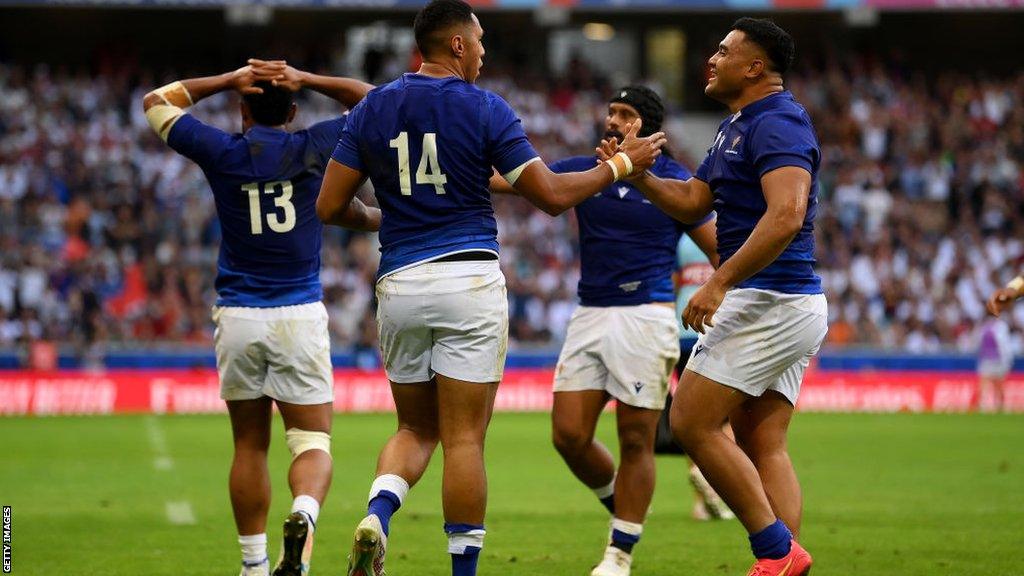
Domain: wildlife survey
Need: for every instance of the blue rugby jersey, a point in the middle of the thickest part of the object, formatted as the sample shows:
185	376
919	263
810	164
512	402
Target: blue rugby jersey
627	245
265	184
768	134
428	145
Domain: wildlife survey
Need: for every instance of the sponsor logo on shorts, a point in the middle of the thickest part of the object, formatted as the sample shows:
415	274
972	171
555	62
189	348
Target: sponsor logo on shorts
698	349
638	386
630	286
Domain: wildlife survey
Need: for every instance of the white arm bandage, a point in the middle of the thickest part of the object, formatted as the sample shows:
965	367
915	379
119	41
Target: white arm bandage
514	174
161	117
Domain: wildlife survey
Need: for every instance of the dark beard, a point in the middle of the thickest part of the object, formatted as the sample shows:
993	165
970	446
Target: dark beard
609	134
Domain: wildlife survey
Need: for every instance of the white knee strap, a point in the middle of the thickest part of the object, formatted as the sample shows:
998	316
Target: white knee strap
300	441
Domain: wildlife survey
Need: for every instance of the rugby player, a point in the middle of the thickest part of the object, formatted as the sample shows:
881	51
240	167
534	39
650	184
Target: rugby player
623	340
429	142
271	340
762	315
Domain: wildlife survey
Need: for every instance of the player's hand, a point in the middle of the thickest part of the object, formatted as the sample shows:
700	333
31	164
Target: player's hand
281	74
607	149
1001	300
641	151
244	78
703	305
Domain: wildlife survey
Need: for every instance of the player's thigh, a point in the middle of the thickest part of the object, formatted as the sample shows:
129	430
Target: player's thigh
580	366
702	404
464	409
308	417
574	415
250	422
469	324
299	352
636	427
640	351
241	356
416	408
405	336
761	424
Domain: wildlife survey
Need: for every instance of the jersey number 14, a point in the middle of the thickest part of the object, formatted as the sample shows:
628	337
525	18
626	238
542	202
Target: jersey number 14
429	171
274	219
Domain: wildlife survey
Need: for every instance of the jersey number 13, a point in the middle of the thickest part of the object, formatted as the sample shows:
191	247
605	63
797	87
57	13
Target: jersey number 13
282	201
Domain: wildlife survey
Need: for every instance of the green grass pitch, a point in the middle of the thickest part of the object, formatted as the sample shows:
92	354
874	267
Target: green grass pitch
885	494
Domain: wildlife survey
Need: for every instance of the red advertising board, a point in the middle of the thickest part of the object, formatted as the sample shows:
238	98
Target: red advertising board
196	391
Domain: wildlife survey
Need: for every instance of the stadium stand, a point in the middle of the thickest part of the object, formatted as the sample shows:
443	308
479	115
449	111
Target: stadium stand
106	236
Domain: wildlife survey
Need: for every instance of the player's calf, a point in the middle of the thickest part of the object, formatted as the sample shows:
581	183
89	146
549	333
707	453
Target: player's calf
300	525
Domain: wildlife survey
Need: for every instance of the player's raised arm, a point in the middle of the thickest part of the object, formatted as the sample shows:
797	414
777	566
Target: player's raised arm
556	193
685	200
165	105
337	203
348	91
1004	297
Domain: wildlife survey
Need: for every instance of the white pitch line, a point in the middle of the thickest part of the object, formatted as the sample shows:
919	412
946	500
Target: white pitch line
158	442
180	513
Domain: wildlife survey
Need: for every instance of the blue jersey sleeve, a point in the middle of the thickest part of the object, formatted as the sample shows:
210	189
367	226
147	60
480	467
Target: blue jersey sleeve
199	142
783	140
324	136
347	150
509	148
704	170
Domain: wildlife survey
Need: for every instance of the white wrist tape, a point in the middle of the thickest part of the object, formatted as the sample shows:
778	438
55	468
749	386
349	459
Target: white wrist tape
1016	284
620	164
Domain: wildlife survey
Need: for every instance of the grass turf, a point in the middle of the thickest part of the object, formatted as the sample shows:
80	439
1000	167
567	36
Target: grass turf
884	494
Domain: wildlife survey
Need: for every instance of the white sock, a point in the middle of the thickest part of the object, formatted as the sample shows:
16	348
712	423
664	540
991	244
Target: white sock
605	491
254	548
308	506
392	483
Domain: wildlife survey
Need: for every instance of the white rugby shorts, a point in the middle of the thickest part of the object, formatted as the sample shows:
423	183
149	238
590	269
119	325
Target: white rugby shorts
995	368
627	351
762	340
283	353
448	318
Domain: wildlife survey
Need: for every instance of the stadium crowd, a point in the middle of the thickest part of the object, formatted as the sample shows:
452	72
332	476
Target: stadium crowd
106	235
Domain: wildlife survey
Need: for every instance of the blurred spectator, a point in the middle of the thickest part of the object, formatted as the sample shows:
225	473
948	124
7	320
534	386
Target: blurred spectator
106	236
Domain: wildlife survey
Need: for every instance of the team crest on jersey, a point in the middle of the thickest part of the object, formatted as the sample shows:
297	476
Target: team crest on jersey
735	143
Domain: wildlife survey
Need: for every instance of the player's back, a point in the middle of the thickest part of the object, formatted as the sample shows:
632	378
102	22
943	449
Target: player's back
265	184
428	145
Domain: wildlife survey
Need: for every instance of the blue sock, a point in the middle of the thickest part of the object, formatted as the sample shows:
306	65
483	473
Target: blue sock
464	544
773	542
383	505
623	541
609	503
465	564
